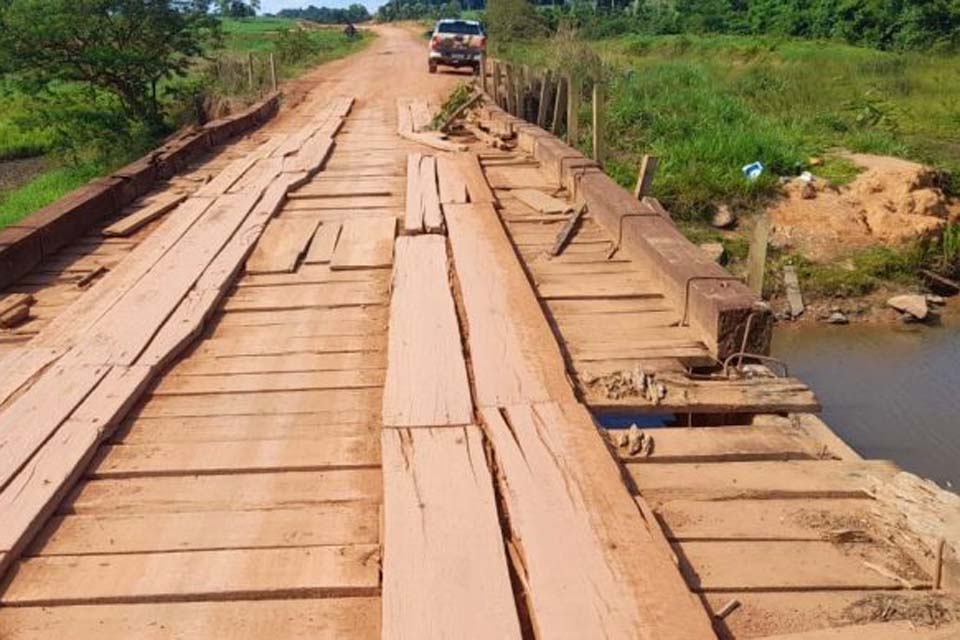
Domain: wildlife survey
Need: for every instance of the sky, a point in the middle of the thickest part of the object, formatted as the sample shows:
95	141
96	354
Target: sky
272	6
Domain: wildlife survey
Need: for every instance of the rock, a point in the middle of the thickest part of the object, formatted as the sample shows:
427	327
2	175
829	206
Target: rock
935	299
915	305
723	218
838	318
809	192
715	250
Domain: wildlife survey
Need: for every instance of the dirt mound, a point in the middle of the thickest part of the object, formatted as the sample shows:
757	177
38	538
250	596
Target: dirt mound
893	202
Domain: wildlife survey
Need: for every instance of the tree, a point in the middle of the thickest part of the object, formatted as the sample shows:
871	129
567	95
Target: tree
238	8
122	47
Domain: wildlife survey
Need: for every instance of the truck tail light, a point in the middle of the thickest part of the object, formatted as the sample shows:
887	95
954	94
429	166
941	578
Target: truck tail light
483	42
435	43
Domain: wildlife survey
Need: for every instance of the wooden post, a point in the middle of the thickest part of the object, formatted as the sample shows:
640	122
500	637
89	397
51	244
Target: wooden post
273	72
250	70
496	83
511	98
518	92
573	111
544	98
648	168
757	258
598	104
483	72
557	107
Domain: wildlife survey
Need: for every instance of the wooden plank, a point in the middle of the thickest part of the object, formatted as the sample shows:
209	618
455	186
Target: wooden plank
130	461
38	488
563	236
238	491
130	224
280	345
815	519
430	196
327	295
734	444
173	385
515	357
306	619
540	202
285	363
413	217
326	524
445	569
759	480
365	243
683	394
364	187
557	475
263	403
225	574
426	383
453	187
282	244
777	566
478	189
793	290
297	426
33	417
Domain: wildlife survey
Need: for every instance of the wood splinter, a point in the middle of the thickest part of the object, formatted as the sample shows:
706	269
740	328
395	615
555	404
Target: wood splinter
563	237
727	609
15	309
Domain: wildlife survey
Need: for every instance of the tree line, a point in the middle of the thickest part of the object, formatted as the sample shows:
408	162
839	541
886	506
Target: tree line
326	15
881	24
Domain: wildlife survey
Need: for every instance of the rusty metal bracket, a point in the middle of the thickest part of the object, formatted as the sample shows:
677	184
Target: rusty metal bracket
616	247
754	356
686	292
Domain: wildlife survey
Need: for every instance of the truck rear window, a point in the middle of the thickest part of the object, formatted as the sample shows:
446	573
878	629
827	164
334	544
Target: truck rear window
461	28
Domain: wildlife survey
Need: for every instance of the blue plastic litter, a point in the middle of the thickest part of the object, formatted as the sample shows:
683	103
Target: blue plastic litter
753	171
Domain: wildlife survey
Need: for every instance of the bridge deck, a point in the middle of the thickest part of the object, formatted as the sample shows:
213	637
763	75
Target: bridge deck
370	435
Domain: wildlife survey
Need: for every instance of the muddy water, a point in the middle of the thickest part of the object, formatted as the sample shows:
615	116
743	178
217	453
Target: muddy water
889	391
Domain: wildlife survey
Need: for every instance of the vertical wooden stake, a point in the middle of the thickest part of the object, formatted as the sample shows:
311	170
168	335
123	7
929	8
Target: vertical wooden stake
544	98
557	106
273	72
496	83
598	104
483	72
250	70
648	168
510	90
938	569
573	111
757	258
518	92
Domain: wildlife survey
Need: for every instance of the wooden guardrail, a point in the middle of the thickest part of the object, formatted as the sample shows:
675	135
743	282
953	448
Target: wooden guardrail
729	316
25	244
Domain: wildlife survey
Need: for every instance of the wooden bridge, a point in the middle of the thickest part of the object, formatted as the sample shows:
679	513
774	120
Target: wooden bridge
338	377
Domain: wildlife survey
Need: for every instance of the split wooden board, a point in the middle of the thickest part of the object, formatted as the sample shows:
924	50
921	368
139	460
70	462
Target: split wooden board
423	198
515	356
557	476
445	569
365	243
426	382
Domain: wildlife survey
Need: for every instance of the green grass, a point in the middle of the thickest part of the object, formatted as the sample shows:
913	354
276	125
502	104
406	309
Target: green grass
709	105
253	34
241	37
46	188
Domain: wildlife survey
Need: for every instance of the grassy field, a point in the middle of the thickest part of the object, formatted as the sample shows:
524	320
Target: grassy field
710	105
259	36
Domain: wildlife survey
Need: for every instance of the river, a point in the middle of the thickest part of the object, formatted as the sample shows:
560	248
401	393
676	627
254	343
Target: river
891	392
